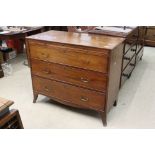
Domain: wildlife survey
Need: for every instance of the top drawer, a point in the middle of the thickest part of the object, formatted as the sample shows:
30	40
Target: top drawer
69	56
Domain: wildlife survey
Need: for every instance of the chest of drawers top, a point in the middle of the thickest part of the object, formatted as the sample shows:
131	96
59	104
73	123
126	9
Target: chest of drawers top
78	39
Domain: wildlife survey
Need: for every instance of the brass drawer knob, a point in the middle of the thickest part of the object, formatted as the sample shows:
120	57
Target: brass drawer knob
46	71
84	80
45	55
84	99
46	89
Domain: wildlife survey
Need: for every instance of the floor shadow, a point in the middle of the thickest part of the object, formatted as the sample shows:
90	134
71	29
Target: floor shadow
130	87
87	112
128	91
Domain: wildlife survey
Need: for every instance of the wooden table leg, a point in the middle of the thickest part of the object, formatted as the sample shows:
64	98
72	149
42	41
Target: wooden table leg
104	118
115	103
35	96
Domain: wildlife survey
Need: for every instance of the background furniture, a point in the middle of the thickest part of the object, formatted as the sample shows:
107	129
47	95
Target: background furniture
20	35
150	36
1	71
80	70
133	46
57	28
80	29
133	52
9	119
1	61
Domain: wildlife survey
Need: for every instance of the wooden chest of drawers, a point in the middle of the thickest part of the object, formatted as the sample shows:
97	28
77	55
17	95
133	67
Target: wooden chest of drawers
133	52
80	70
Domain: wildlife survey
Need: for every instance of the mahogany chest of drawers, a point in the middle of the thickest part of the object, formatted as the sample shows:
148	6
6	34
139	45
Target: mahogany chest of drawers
79	70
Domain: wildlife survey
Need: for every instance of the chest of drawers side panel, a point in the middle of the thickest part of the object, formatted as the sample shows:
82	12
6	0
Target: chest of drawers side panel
35	95
114	75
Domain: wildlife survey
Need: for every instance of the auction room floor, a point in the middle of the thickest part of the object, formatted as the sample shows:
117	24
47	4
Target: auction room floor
135	109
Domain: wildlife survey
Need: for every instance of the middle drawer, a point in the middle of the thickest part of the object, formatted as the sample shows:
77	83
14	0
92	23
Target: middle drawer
72	75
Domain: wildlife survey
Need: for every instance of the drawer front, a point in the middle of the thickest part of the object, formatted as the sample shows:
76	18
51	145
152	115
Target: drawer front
69	93
128	56
69	56
128	71
79	77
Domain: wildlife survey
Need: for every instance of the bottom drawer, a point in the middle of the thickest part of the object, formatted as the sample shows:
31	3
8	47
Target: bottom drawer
68	93
128	71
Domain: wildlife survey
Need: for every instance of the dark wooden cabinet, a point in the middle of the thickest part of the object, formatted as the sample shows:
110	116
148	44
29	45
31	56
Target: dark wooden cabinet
80	70
133	52
133	46
150	36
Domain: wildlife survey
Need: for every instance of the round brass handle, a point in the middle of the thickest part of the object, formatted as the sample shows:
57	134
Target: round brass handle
46	89
84	80
84	99
45	55
46	72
